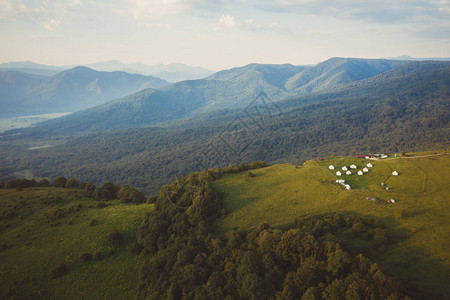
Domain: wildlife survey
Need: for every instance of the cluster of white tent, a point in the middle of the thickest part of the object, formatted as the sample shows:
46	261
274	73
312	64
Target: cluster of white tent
353	167
342	181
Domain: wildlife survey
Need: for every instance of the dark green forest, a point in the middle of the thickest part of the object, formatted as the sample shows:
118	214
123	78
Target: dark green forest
405	111
310	259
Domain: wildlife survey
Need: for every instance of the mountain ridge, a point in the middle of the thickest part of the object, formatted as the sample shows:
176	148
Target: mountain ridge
227	89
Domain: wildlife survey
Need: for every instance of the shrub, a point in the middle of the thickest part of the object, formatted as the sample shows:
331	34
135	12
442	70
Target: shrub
101	205
152	199
60	181
86	257
89	189
129	194
137	249
44	183
115	238
72	183
59	271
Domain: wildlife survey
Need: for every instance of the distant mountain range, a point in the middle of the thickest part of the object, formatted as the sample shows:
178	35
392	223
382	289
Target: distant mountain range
228	89
70	90
400	110
173	72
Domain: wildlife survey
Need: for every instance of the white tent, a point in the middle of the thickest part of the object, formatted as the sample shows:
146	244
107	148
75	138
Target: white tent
331	167
365	170
369	165
344	168
395	173
360	173
340	181
352	167
347	187
392	201
338	173
348	172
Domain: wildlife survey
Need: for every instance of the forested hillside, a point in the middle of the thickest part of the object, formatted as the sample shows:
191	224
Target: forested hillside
67	91
404	110
229	89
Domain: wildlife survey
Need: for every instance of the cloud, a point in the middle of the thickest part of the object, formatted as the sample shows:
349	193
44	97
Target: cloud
49	14
51	25
381	11
142	9
227	22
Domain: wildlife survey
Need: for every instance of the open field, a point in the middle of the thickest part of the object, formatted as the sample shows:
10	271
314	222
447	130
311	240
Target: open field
42	228
279	194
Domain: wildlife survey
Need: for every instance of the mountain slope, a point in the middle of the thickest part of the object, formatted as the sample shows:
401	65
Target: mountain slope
230	89
12	85
76	89
403	110
337	71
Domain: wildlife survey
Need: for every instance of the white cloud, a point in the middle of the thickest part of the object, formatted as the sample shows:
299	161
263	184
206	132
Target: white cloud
381	11
142	9
227	22
51	25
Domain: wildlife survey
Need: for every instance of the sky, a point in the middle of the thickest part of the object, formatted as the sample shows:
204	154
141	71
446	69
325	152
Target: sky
220	34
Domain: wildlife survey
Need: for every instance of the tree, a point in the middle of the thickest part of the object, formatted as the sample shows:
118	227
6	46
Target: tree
72	183
60	181
89	189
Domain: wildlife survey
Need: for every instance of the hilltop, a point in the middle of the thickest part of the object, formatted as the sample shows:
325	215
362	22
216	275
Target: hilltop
279	194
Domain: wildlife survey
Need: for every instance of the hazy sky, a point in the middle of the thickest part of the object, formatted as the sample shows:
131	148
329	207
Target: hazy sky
220	34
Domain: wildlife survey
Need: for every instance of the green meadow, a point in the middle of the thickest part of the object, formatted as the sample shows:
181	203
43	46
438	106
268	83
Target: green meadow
420	217
44	228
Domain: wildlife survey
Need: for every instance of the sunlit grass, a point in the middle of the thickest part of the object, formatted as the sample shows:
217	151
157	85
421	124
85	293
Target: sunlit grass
33	248
279	194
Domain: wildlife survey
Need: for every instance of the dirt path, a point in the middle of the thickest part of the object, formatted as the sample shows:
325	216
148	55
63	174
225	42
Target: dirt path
409	157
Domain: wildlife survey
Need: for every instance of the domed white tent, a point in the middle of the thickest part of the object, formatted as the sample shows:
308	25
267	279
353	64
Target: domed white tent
347	187
360	173
395	173
331	167
338	173
369	165
365	170
344	168
352	167
348	172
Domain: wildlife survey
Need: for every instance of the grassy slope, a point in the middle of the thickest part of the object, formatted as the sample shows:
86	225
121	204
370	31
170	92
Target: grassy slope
35	247
279	194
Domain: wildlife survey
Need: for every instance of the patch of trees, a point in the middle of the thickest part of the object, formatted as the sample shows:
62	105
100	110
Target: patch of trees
305	261
107	191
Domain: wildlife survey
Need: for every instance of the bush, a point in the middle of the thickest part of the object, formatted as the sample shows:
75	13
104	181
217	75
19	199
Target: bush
89	189
115	238
152	199
129	194
107	191
59	271
72	184
86	257
60	181
19	183
44	183
101	205
137	249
